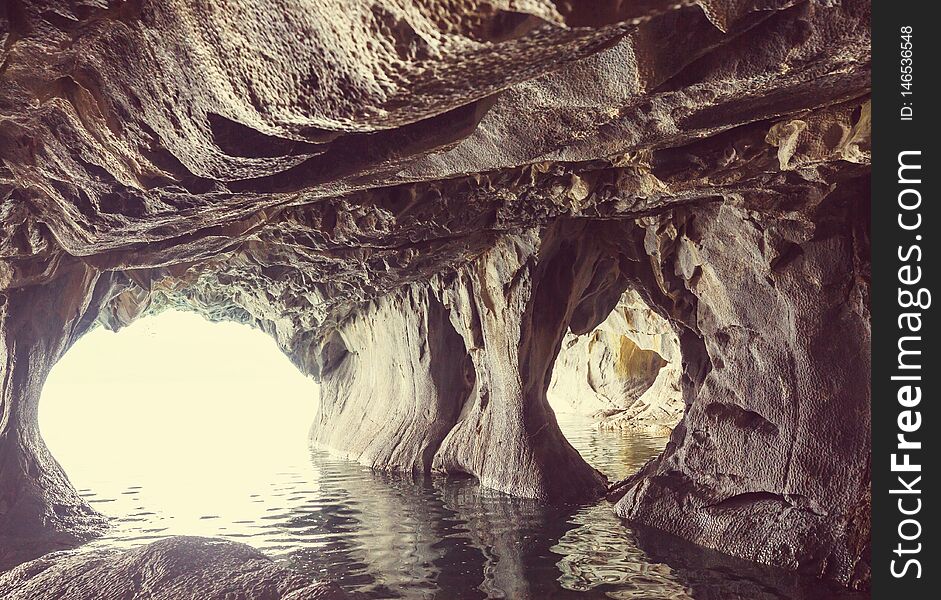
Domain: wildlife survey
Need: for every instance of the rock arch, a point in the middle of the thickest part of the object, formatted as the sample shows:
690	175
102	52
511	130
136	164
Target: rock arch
624	374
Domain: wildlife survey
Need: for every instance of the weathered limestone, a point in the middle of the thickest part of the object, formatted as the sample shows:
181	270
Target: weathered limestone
452	377
512	307
393	382
767	456
170	569
422	200
37	326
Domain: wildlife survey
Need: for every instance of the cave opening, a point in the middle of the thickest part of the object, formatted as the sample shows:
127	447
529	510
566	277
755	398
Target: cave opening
615	390
176	422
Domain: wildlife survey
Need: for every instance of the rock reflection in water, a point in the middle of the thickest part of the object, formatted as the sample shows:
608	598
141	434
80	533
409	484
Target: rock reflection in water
388	536
440	538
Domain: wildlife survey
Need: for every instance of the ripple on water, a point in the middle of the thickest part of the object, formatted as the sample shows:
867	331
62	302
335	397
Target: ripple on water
388	536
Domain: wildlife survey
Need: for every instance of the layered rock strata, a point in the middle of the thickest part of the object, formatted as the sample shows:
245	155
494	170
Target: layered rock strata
420	200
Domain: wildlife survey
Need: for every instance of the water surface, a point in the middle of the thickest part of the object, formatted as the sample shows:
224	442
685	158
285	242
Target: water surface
387	536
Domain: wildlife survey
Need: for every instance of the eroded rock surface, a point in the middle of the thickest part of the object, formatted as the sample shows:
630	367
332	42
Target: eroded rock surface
762	446
420	200
170	569
625	373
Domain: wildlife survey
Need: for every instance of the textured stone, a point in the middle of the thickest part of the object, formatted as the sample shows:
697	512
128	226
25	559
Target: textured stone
625	372
767	458
420	200
393	382
38	324
170	569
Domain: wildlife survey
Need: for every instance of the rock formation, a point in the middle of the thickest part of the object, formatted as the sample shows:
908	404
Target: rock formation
791	408
420	200
625	372
181	567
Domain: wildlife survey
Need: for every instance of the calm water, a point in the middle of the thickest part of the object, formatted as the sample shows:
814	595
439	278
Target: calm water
384	536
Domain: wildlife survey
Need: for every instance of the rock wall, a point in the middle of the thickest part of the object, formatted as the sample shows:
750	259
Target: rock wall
464	363
769	457
512	306
625	372
38	325
394	380
420	201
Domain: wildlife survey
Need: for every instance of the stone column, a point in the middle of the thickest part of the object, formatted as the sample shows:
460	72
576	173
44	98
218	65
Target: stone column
39	509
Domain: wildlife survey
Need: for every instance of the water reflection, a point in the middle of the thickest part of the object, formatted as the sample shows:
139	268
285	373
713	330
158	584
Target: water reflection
388	536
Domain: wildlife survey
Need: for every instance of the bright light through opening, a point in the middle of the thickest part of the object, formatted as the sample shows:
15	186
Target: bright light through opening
193	412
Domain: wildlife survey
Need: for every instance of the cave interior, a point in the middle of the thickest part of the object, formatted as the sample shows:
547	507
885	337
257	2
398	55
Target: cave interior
434	207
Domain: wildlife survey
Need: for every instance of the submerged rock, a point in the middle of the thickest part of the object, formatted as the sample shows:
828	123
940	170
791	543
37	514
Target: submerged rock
169	569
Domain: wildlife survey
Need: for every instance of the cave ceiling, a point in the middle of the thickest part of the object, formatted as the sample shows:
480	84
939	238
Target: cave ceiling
244	154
